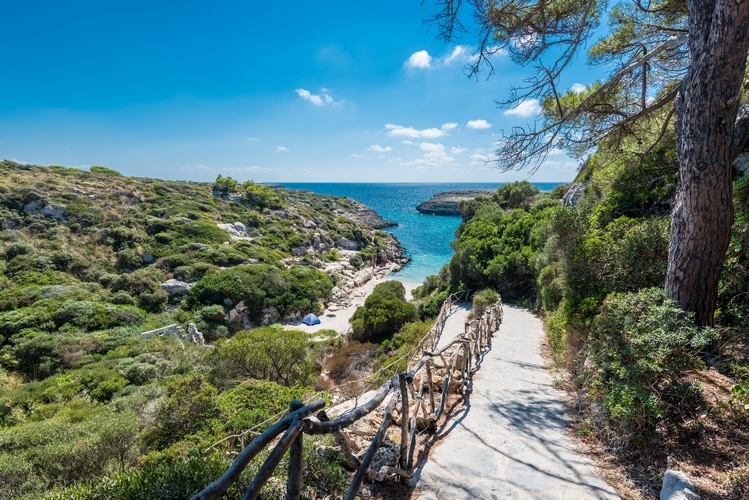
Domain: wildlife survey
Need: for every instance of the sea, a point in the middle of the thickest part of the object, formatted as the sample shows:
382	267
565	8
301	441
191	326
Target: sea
426	238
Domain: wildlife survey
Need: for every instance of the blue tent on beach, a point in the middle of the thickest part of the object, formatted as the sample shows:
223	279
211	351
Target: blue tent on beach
311	319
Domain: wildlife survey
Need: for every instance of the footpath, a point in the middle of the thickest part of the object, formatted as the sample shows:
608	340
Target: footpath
510	438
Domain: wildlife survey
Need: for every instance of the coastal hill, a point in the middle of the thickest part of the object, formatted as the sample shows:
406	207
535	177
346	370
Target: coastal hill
138	313
448	202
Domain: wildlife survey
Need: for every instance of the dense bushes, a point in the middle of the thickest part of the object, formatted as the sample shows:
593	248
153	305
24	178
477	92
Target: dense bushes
384	312
83	256
640	345
260	286
496	248
266	353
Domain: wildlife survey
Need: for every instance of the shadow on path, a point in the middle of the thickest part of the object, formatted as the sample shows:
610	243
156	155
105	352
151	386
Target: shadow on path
507	437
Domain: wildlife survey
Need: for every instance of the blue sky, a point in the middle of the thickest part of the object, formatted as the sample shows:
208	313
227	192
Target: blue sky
336	91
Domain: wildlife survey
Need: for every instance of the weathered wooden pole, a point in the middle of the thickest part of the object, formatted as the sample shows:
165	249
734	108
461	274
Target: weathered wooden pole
431	386
343	441
219	487
270	464
404	381
376	442
294	481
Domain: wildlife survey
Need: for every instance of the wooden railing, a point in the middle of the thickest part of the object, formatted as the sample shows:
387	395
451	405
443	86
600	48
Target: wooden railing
457	359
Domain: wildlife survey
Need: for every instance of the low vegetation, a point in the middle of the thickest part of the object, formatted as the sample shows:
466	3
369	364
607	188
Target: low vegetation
89	408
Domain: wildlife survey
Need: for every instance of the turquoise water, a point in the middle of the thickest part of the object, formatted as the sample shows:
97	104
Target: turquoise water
426	237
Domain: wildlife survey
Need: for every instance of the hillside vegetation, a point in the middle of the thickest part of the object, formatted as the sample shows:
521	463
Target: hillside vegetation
91	260
647	383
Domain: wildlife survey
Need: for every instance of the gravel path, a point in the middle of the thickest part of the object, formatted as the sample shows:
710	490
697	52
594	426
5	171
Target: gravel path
510	438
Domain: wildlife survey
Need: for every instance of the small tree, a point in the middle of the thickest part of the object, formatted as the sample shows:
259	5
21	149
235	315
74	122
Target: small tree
384	312
224	185
265	354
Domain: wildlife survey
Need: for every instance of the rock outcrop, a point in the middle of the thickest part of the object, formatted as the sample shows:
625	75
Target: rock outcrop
677	486
447	203
362	214
193	335
574	194
176	287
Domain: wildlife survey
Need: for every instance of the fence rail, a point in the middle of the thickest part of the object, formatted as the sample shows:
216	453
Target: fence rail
456	361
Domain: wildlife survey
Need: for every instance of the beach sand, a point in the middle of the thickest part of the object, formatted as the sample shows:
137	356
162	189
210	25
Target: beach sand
338	319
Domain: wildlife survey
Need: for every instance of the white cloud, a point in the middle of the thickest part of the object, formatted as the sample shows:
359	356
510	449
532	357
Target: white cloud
456	150
321	99
460	53
478	124
356	155
578	88
479	158
380	149
410	132
282	149
420	59
433	155
526	41
525	109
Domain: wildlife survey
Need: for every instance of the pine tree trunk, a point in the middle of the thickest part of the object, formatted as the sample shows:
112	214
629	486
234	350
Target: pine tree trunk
705	114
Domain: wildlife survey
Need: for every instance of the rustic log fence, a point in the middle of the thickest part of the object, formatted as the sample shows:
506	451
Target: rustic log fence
457	359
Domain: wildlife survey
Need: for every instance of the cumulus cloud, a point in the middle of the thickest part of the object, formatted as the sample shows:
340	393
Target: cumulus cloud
321	99
456	150
578	88
434	154
423	60
420	59
412	133
525	109
282	149
478	124
460	54
380	149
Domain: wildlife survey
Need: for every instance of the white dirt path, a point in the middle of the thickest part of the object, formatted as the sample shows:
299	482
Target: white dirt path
510	438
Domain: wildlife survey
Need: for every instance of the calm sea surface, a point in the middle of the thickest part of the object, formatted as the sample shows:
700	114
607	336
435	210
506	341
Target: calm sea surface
426	237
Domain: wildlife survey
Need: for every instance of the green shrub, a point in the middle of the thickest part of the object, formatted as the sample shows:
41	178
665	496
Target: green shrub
384	312
254	402
432	306
515	195
639	347
262	353
225	185
190	404
298	289
17	248
96	169
483	300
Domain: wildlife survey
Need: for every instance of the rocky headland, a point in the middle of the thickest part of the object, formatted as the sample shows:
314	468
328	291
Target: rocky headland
448	202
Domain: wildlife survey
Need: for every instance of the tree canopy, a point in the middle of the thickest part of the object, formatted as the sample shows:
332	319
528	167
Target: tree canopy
672	63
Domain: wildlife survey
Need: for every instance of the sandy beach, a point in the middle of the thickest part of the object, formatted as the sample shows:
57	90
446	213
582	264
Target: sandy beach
338	318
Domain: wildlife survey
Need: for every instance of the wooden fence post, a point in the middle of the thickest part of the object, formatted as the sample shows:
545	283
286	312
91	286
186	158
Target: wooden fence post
376	442
294	482
403	379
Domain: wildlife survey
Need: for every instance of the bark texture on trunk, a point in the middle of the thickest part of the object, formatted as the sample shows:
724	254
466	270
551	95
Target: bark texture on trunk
705	114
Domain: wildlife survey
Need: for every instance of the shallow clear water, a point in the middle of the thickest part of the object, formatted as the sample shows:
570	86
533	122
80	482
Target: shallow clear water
426	237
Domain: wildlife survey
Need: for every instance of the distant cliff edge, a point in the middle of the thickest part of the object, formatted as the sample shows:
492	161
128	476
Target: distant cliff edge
446	203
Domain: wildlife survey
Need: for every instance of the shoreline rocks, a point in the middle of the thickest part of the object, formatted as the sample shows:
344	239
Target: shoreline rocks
448	202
